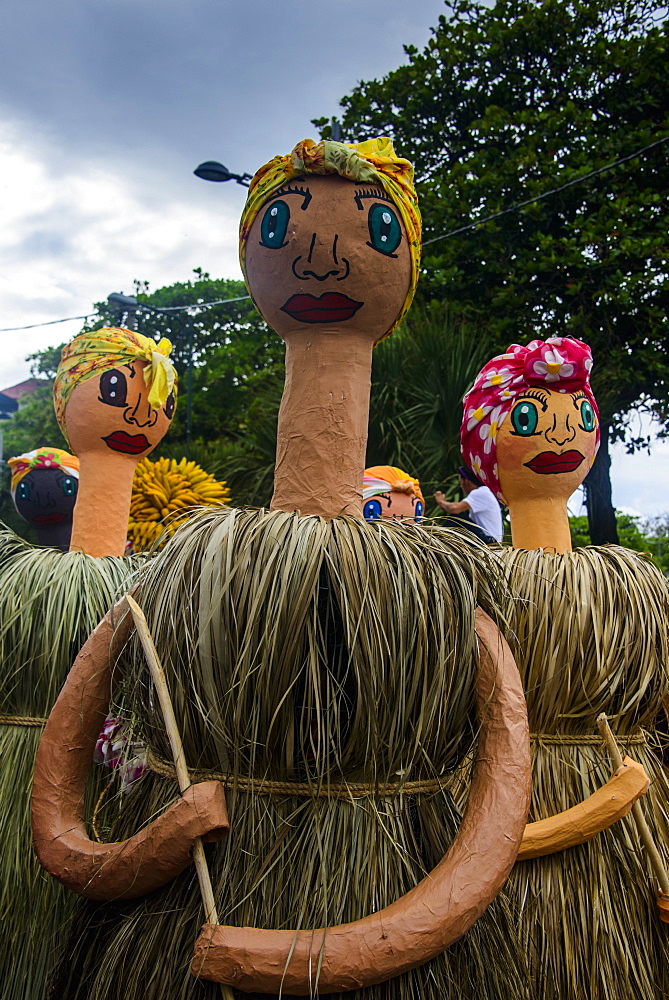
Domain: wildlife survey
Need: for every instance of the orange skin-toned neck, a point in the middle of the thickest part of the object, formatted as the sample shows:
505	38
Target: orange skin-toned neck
540	524
109	438
100	520
322	428
562	446
317	278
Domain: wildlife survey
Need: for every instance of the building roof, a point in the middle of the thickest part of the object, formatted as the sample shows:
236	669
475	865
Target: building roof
23	388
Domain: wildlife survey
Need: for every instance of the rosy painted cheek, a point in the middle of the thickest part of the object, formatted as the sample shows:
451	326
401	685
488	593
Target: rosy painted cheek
513	452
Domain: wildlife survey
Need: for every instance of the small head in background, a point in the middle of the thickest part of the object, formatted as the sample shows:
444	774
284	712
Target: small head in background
530	428
115	392
44	489
389	492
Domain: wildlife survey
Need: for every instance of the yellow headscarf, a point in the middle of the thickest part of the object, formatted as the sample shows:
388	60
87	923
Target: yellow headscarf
382	478
41	458
98	351
372	162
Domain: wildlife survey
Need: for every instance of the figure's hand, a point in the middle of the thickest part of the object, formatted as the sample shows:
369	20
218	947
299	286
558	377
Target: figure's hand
441	501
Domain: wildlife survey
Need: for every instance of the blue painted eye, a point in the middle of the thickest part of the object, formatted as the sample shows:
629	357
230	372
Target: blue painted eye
274	225
385	232
418	510
372	510
23	490
525	418
587	416
69	486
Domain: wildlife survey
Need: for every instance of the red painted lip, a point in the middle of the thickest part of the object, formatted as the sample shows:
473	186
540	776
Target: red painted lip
328	308
550	463
129	444
48	518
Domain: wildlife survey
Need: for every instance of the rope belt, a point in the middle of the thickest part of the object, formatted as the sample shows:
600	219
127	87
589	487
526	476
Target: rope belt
555	739
21	720
299	789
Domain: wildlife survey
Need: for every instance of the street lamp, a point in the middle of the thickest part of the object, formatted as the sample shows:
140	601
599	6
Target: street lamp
212	170
129	305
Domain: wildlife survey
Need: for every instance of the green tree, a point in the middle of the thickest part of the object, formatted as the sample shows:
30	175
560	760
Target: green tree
650	538
35	424
419	376
510	102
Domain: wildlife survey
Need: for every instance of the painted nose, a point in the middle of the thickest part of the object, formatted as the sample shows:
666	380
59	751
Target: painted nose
561	432
45	499
323	261
141	414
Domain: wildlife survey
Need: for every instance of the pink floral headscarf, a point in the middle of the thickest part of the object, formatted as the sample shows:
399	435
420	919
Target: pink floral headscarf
560	363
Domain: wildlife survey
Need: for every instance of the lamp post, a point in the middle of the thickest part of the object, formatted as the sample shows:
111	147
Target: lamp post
128	305
212	170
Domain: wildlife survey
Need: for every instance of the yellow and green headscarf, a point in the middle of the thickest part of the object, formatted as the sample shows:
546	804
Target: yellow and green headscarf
41	458
92	353
371	162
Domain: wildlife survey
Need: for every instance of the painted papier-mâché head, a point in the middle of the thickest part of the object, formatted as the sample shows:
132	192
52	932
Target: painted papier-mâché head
389	492
530	432
44	487
115	396
330	242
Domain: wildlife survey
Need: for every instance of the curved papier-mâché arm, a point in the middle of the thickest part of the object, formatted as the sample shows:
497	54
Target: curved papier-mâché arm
107	871
587	818
442	906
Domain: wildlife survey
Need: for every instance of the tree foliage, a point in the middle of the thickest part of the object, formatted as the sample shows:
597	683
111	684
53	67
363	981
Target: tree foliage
508	103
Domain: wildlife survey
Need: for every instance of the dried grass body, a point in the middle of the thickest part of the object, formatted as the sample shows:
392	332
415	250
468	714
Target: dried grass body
321	652
592	637
49	602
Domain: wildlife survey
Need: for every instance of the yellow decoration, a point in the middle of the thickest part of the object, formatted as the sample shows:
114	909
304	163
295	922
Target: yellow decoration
168	489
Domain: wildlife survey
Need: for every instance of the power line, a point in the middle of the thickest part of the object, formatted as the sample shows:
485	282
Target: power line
68	319
51	322
426	243
195	305
547	194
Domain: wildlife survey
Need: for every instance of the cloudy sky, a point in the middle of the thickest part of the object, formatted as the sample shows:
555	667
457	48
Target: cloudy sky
106	106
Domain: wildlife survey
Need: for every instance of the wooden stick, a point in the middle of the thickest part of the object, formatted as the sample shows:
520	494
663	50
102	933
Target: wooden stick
639	818
180	766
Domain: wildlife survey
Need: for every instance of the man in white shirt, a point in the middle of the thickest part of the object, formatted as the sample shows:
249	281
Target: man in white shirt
480	504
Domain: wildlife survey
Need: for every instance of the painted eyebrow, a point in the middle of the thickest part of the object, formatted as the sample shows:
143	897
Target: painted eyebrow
538	394
370	193
131	370
292	189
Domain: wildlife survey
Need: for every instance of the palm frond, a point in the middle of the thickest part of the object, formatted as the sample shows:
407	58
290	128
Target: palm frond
312	651
49	603
592	637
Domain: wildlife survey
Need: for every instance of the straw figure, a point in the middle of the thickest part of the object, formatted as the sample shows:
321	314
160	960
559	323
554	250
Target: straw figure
44	488
163	493
49	602
592	638
319	725
389	492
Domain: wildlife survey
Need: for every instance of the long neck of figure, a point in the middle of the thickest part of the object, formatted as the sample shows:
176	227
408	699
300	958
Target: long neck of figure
100	521
540	523
55	536
323	420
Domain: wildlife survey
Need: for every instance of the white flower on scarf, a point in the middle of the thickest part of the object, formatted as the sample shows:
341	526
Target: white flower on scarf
488	433
553	367
476	415
496	377
477	468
